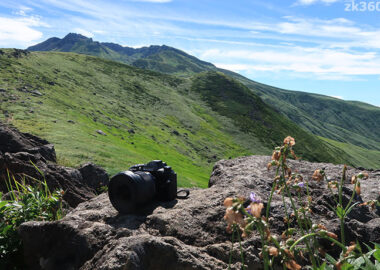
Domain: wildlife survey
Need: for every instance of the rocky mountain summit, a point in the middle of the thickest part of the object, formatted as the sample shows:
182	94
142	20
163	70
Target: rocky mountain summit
24	156
189	233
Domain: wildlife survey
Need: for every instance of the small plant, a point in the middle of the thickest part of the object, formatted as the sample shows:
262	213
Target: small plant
24	203
301	241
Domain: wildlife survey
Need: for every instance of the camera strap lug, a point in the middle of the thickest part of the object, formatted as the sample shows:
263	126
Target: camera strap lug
185	196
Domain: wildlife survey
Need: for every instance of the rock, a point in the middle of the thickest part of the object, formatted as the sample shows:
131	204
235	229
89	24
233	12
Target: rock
13	141
101	132
182	234
131	131
93	175
21	153
36	93
70	121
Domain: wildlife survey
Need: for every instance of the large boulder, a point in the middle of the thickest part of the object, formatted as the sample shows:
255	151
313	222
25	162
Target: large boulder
183	234
22	153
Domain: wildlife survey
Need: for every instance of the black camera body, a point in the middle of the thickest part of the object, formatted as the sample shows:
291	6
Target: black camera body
141	184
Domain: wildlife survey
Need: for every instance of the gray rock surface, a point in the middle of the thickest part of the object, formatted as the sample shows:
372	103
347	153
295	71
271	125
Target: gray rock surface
183	234
21	152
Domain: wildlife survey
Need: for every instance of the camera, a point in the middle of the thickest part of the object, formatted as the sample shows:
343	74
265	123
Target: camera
141	184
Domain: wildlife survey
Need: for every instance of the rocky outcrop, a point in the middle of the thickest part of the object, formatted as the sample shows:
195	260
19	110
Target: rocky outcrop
184	234
22	153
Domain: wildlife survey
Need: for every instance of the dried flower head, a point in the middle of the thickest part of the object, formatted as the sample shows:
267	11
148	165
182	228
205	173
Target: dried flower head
317	175
350	249
357	188
234	217
289	141
273	251
332	235
255	209
363	175
354	178
228	202
276	155
292	265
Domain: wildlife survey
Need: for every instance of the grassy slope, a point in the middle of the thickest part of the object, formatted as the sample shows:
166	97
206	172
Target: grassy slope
352	126
97	94
351	123
172	119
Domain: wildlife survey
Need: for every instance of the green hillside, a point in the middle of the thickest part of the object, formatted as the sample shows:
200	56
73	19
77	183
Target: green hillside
345	122
349	122
189	122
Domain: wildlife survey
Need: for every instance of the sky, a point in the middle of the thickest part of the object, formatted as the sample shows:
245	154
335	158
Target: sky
331	47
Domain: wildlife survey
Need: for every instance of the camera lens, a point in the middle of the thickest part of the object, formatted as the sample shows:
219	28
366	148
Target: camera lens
127	190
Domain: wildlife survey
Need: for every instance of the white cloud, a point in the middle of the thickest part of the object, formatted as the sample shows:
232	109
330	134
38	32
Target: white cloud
338	97
83	32
19	31
323	63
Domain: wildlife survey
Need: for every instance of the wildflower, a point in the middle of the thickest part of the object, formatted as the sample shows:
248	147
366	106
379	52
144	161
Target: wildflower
293	154
233	217
254	198
301	184
332	184
350	249
276	155
318	175
354	178
228	202
357	188
332	235
256	208
273	251
292	265
363	175
290	141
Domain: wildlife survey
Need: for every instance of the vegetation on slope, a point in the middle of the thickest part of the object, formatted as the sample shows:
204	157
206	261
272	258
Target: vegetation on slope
69	98
353	126
66	98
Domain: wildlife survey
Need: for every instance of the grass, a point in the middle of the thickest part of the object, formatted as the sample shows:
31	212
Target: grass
24	203
144	114
189	122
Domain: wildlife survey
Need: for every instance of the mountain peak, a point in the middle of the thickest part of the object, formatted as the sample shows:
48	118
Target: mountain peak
161	58
75	36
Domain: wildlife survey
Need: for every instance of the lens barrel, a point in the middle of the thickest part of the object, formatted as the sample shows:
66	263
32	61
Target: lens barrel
127	190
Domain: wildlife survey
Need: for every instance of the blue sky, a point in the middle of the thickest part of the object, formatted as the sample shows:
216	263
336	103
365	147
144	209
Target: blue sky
308	45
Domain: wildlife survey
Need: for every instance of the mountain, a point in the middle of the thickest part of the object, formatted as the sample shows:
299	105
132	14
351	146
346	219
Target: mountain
118	115
351	126
159	58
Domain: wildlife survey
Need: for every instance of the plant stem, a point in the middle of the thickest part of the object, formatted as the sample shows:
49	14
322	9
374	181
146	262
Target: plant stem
317	234
241	251
232	247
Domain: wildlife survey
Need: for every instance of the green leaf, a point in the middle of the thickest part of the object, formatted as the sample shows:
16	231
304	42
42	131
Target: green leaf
358	263
339	211
368	264
350	209
347	266
376	255
330	259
